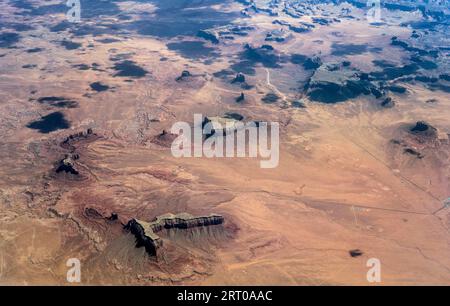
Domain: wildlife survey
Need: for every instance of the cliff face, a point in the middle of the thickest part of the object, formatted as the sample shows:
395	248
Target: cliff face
145	232
69	141
67	164
144	238
74	145
184	221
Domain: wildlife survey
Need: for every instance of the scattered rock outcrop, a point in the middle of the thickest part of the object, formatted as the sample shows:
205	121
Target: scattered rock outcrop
388	103
73	145
278	35
413	152
355	253
165	139
145	232
225	32
241	98
420	140
67	164
240	78
69	141
184	75
424	129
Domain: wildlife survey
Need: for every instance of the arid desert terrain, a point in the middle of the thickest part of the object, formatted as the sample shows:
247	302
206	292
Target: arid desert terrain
86	110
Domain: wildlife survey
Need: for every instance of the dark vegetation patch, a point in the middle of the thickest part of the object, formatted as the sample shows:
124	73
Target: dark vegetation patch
121	56
338	49
182	18
35	50
107	40
246	67
264	55
383	64
58	102
270	98
8	39
29	66
172	18
334	93
404	45
321	21
70	45
30	10
390	73
423	63
98	86
333	83
308	63
250	57
445	77
81	66
438	86
298	104
223	73
193	49
300	28
129	68
235	116
426	79
49	123
19	27
396	89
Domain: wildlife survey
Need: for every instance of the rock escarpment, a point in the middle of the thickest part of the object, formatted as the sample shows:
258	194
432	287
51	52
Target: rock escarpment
228	32
221	126
73	146
337	82
424	130
67	164
145	232
69	141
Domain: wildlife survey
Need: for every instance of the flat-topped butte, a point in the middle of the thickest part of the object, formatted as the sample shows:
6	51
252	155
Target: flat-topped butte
145	232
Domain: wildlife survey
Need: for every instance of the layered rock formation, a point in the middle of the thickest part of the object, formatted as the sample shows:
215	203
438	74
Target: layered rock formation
220	125
337	82
68	142
184	75
67	164
73	145
224	32
424	129
145	232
